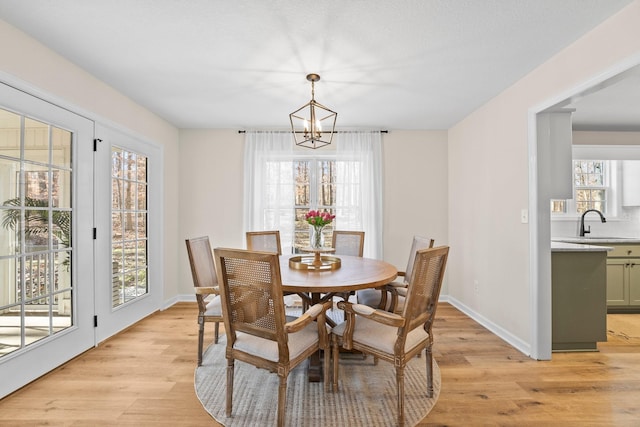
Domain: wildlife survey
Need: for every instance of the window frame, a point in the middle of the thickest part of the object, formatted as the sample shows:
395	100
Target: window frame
608	186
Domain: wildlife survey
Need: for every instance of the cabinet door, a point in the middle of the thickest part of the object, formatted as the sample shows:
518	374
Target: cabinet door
634	281
617	285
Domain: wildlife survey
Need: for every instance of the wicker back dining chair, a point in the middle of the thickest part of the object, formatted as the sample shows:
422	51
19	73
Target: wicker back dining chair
393	337
266	241
348	242
205	284
391	297
254	319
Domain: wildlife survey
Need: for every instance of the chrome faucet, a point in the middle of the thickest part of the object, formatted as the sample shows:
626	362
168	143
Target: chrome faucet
588	230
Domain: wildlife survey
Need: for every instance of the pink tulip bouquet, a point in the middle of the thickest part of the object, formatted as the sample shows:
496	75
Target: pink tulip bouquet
317	220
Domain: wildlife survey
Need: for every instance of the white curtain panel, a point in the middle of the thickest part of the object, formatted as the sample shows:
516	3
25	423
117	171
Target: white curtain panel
269	184
359	190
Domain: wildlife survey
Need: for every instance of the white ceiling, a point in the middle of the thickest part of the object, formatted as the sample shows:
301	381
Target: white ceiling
411	64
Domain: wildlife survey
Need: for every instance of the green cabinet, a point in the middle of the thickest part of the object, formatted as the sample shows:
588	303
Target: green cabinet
623	278
579	311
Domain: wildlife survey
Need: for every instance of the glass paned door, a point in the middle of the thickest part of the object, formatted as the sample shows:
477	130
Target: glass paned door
46	262
36	295
128	242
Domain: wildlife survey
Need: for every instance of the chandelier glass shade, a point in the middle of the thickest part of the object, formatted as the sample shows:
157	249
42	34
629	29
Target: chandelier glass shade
313	124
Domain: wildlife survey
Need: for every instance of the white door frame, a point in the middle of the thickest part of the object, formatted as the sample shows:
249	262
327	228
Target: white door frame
539	224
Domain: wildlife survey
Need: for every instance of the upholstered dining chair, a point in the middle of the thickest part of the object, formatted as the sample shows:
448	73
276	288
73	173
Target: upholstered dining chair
393	337
348	242
205	283
391	297
254	319
268	241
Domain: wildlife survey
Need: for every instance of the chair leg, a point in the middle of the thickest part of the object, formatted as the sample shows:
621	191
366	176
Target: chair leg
335	357
282	400
429	362
217	333
327	367
400	391
200	339
230	367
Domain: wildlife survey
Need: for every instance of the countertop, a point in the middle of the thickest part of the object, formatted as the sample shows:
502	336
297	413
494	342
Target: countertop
597	240
577	247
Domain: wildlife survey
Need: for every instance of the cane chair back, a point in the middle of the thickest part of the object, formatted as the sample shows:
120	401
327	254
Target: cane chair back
396	338
348	242
266	241
205	283
255	324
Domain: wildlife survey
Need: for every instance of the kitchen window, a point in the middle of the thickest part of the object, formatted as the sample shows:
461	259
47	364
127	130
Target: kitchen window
591	188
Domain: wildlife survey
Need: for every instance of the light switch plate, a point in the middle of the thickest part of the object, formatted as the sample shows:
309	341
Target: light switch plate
524	216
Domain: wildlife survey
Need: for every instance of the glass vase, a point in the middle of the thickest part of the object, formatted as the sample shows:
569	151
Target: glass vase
316	237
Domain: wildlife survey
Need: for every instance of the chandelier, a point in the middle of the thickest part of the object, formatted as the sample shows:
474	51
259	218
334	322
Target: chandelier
308	122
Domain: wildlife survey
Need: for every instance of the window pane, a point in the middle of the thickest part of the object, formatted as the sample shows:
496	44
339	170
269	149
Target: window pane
142	169
302	180
142	197
9	173
558	206
61	229
142	226
36	141
62	311
10	134
326	183
61	145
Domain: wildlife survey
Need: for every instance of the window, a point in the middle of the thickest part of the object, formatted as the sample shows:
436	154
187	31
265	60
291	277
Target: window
315	188
129	225
589	181
283	183
590	188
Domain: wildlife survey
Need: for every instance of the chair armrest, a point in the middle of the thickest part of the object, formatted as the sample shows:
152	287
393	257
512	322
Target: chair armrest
397	284
207	290
402	273
374	314
315	311
402	291
377	315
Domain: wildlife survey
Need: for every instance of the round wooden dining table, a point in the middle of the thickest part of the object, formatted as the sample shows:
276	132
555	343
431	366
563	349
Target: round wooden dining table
316	286
353	274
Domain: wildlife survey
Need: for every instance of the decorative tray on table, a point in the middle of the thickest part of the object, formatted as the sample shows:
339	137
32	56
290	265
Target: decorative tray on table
315	261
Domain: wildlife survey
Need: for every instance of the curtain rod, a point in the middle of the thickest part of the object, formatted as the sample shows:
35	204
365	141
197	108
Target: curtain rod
337	131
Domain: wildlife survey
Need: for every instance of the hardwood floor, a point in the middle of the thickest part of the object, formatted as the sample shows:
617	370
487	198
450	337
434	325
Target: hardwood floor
144	376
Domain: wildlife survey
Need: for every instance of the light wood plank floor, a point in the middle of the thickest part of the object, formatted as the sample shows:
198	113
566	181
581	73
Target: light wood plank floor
144	377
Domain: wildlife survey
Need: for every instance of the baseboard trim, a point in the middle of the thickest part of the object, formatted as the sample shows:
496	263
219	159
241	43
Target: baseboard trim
497	330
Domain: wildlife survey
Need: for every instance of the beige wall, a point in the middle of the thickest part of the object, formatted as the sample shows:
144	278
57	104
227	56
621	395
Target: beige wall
44	73
210	201
488	179
415	191
211	179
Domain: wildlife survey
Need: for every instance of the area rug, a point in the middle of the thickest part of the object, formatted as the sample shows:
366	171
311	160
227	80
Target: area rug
366	396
